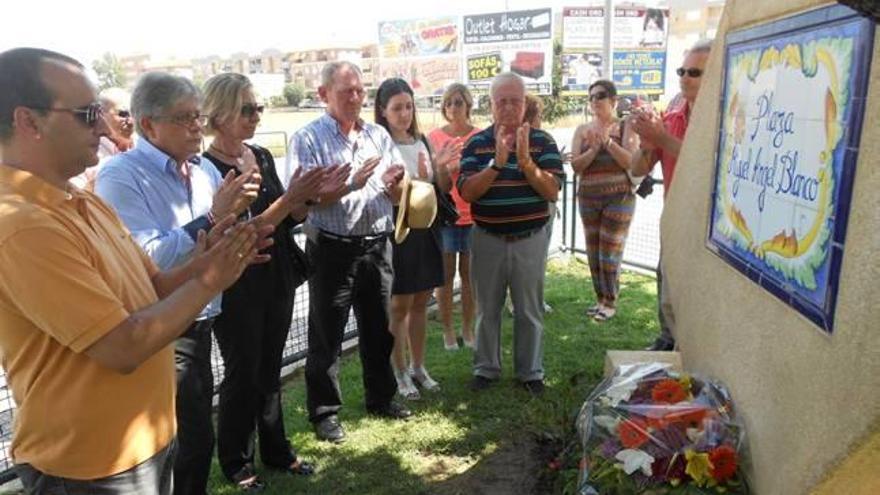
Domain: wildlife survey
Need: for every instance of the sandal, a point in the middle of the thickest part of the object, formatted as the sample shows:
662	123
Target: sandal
450	347
405	386
605	314
301	468
594	309
247	481
424	380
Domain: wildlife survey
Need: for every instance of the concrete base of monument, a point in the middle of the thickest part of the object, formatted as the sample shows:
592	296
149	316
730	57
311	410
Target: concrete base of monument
614	359
857	474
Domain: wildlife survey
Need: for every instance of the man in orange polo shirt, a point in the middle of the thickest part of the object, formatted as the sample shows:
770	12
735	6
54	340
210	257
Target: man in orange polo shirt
86	318
661	140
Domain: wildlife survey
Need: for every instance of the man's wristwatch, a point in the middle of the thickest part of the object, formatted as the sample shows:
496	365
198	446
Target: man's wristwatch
494	166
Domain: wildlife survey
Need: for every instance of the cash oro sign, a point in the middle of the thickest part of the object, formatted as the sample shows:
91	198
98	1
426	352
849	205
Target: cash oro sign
791	115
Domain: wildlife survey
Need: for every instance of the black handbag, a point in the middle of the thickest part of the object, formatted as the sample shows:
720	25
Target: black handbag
447	213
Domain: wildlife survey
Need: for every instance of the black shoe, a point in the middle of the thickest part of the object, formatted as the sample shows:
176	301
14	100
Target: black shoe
662	344
392	410
330	430
534	387
480	383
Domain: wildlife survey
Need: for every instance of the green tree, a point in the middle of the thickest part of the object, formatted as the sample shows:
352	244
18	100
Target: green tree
110	72
294	93
557	106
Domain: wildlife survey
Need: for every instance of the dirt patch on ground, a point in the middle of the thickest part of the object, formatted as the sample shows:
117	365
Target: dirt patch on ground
517	467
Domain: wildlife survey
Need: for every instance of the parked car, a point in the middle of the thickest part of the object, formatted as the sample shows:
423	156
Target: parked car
312	104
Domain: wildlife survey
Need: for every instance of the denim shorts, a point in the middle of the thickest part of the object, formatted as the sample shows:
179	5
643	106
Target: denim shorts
457	238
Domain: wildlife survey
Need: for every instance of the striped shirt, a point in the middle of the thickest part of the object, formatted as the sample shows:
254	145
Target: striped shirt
510	205
366	211
604	177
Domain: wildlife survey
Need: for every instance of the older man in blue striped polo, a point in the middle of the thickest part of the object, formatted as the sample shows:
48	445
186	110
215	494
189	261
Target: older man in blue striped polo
510	172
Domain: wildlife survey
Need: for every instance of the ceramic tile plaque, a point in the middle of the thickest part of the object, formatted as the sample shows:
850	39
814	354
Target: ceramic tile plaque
793	97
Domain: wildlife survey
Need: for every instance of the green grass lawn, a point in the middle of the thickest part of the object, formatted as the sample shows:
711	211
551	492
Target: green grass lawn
456	430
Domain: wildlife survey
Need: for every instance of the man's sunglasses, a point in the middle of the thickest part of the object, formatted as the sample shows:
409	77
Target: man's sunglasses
88	114
598	96
691	72
249	109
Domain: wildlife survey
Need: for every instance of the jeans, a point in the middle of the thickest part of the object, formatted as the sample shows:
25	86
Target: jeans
151	477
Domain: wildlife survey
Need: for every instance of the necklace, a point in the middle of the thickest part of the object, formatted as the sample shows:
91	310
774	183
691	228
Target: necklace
226	153
407	140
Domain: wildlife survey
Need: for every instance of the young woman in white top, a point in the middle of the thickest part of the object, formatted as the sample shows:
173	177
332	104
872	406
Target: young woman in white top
418	260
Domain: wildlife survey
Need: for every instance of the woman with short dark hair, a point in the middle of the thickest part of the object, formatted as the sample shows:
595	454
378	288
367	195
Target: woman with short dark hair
601	153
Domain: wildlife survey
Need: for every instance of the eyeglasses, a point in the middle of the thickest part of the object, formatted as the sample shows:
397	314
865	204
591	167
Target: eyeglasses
123	114
455	103
88	114
598	96
249	109
691	72
184	119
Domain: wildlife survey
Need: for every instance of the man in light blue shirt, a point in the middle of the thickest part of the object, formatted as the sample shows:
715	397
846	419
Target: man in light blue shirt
165	194
348	241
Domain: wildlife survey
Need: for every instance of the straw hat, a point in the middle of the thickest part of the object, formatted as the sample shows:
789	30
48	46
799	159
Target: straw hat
418	207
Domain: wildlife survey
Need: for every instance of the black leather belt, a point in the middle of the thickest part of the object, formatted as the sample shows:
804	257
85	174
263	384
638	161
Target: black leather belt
515	237
356	240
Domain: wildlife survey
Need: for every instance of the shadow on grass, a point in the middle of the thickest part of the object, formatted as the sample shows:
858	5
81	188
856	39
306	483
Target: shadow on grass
460	441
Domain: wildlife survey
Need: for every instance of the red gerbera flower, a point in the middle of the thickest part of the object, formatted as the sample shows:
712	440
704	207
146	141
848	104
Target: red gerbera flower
668	391
689	415
723	459
633	433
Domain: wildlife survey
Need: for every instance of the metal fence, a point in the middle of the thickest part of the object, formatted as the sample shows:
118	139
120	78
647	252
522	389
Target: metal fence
643	243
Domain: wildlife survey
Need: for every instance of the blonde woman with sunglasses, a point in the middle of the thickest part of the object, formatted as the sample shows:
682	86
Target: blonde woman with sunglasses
252	329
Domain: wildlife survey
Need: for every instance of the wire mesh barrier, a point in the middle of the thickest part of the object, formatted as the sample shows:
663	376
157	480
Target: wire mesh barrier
643	242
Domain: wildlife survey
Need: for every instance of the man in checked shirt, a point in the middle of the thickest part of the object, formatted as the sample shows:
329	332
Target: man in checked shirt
348	241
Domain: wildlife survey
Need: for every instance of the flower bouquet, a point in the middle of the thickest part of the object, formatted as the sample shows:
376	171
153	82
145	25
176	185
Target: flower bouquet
650	430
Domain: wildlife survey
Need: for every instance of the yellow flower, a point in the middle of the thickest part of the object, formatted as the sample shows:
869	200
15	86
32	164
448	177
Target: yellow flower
698	467
685	381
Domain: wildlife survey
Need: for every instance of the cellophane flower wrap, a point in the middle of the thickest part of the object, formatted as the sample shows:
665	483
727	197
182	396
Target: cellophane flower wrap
651	430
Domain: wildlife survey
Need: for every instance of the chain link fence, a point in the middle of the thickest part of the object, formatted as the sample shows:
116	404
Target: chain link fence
643	242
